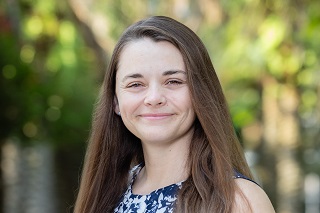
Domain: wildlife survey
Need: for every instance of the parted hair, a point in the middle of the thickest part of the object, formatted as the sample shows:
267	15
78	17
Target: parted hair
215	152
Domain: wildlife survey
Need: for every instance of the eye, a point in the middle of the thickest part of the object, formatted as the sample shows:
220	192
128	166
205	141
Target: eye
134	85
174	82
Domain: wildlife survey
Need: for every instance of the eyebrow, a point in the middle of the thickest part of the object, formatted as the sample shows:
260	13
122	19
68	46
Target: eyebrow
135	75
166	73
172	72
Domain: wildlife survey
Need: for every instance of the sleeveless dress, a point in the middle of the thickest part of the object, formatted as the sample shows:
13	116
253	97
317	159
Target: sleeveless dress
159	201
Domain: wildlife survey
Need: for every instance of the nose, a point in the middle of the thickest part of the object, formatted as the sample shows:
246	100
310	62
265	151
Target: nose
155	96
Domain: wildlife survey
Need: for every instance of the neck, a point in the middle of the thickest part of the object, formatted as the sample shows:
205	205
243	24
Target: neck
164	165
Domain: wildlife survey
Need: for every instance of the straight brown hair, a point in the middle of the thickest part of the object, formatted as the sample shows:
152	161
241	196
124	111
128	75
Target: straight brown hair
215	152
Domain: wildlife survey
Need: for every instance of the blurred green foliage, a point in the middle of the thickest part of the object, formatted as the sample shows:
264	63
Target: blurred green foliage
48	76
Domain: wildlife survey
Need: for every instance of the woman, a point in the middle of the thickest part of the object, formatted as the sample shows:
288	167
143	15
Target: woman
161	109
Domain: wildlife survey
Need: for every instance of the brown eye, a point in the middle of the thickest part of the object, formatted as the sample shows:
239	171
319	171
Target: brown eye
174	82
134	85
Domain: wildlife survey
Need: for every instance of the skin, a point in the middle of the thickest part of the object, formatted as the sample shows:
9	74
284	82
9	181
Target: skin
256	197
153	98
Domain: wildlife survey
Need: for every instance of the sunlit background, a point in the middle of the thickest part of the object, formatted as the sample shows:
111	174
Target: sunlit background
53	55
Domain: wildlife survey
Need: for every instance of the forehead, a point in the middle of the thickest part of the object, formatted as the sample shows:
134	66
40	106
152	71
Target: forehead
149	54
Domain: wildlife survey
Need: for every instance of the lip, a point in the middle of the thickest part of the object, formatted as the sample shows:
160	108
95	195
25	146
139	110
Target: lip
156	116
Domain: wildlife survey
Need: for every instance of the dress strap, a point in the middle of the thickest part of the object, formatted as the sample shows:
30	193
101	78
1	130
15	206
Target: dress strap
239	175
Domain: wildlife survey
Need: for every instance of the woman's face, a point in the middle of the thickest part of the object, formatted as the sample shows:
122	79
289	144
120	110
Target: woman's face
152	92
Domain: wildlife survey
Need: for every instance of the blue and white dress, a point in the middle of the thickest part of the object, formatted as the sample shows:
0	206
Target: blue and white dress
159	201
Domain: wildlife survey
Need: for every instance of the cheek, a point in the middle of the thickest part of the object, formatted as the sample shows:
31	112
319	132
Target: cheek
128	103
183	100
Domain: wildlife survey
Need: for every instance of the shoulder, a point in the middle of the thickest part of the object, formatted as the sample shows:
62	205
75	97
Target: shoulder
251	196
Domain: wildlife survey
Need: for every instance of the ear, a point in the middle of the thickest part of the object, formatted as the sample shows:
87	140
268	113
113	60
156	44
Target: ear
116	105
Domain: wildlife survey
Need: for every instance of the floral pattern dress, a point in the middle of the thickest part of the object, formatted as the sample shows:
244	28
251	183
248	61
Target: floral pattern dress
159	201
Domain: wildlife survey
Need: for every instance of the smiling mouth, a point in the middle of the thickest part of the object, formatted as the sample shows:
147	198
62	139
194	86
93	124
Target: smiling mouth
156	116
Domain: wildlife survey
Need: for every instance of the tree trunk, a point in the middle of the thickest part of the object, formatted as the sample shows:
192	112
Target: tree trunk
28	178
281	137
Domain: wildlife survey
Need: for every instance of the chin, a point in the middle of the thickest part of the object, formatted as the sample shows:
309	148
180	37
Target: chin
155	139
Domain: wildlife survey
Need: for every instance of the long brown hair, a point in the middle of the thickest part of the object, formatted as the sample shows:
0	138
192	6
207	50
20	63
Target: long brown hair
215	152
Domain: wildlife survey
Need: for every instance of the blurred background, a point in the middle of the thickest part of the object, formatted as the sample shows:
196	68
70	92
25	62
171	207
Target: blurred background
53	55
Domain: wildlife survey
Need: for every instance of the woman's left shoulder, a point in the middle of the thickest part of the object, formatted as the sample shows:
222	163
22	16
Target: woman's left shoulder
251	196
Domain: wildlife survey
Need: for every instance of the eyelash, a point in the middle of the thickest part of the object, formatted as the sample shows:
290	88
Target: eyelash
174	82
135	84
